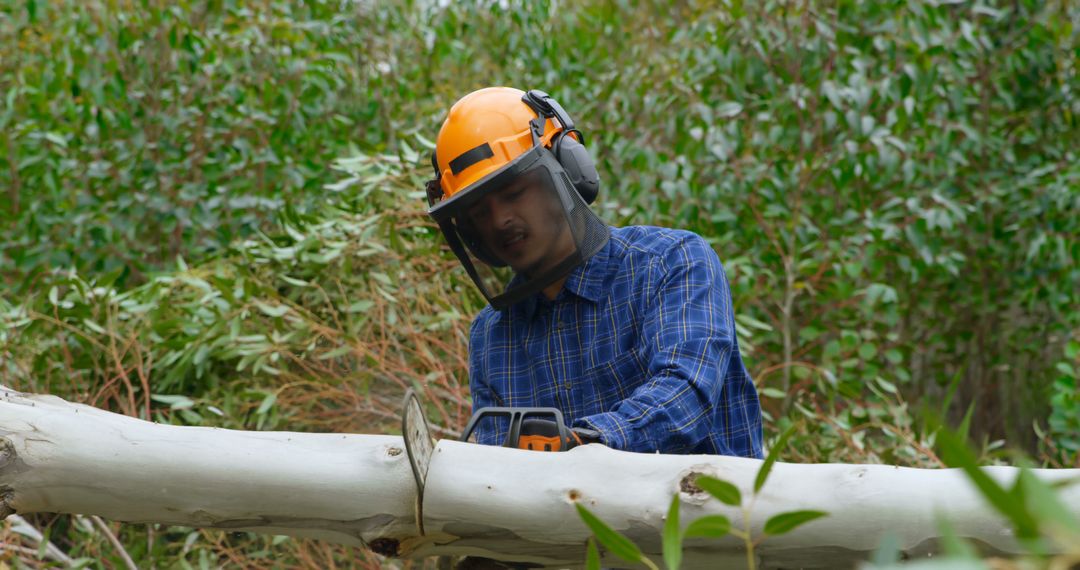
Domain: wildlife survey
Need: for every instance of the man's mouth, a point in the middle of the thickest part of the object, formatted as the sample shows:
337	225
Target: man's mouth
510	241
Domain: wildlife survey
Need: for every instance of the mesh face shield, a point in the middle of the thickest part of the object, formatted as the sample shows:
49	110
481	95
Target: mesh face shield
520	229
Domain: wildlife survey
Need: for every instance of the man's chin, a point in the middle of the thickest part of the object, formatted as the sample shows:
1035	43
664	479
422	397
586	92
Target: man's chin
535	269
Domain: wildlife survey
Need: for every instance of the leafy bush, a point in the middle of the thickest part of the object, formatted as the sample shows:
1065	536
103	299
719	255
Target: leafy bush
892	187
135	133
1039	520
339	303
709	526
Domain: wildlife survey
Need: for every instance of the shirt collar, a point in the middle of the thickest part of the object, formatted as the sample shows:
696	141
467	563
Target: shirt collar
585	281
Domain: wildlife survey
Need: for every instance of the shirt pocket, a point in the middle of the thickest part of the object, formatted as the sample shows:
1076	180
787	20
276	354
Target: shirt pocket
613	381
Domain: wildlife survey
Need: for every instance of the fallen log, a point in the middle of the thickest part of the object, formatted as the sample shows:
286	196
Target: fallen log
60	457
506	504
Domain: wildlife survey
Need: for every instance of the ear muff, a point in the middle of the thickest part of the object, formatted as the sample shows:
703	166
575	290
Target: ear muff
568	150
578	164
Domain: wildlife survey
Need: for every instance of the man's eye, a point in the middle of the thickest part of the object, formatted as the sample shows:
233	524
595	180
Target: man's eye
479	212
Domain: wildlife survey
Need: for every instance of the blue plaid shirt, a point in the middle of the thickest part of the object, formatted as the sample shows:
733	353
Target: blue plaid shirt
639	345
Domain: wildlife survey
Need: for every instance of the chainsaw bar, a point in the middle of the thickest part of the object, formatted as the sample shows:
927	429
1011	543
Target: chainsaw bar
419	446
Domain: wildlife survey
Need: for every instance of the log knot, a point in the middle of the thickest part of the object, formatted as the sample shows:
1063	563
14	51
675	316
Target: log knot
384	546
7	452
7	498
688	487
689	484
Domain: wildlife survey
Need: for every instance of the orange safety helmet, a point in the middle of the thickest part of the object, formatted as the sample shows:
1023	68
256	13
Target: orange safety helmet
484	131
500	144
488	128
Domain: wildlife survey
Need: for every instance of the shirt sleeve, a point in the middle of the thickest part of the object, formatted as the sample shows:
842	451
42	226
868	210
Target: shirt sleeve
687	332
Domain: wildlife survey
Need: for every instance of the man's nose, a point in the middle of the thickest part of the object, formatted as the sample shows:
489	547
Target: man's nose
501	211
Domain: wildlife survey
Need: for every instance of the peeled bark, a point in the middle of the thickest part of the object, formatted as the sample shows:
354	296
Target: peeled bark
499	503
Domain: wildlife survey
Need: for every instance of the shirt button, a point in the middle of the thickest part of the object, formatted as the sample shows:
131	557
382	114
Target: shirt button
566	385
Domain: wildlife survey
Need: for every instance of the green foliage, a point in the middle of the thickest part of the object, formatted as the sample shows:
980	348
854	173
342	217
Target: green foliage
1064	420
725	492
784	523
592	556
891	184
956	454
1030	504
614	541
137	132
892	187
770	459
672	536
709	526
329	302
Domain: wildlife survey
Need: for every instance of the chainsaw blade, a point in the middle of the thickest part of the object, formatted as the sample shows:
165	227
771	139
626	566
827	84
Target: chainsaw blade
419	446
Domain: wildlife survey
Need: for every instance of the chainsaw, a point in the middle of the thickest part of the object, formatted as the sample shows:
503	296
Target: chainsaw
533	428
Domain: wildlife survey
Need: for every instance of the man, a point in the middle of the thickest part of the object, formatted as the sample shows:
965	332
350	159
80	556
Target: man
629	332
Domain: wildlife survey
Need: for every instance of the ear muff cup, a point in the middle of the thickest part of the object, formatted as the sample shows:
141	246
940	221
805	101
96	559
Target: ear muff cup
579	166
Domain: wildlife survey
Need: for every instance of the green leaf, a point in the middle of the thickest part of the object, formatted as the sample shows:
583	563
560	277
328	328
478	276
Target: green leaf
888	550
293	281
787	522
726	492
729	109
612	540
886	385
952	544
56	139
774	453
381	278
175	402
965	424
955	453
772	393
43	546
337	352
1046	505
360	306
271	310
711	526
592	556
267	403
672	536
94	326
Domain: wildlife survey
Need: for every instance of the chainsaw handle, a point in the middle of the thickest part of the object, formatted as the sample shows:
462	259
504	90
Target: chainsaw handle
517	417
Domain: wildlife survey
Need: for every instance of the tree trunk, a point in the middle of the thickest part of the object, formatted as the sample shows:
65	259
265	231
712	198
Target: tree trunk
70	458
493	502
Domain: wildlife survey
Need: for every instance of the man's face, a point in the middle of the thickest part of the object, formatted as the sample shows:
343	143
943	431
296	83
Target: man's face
524	225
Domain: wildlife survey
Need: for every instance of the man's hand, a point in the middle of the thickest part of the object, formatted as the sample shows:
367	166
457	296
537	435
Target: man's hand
586	436
543	435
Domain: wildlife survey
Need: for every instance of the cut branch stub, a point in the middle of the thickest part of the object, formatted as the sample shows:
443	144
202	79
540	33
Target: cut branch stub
7	457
